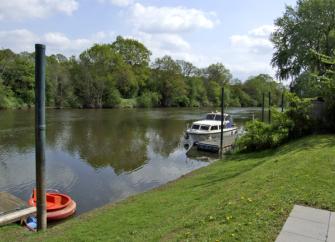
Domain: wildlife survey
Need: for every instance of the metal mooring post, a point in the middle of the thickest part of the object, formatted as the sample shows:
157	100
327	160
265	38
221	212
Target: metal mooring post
282	102
269	107
263	103
222	118
40	135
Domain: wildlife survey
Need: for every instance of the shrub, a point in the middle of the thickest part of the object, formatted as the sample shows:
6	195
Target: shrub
299	112
261	135
296	122
112	98
7	99
149	99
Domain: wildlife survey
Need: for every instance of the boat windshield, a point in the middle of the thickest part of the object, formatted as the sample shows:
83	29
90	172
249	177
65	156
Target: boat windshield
210	116
218	117
204	127
195	126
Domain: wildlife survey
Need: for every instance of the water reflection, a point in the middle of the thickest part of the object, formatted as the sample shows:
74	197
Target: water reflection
97	156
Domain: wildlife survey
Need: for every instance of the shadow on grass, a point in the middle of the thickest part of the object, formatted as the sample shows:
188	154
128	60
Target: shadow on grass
232	165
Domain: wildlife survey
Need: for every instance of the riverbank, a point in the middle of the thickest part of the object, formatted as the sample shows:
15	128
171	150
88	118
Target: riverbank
246	197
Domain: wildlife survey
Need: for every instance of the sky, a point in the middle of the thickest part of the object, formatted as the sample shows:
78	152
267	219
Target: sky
235	33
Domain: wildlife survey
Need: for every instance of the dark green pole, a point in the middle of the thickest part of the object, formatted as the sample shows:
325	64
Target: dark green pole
40	135
222	118
282	102
263	103
269	107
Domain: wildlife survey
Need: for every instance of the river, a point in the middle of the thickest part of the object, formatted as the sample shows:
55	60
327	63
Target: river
100	156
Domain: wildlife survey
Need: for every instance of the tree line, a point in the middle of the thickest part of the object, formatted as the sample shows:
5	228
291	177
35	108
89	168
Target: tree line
121	74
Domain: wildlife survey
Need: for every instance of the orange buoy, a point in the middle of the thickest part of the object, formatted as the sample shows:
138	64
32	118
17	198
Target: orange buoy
59	206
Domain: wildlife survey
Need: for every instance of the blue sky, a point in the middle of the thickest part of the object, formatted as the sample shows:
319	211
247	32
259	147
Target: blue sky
235	33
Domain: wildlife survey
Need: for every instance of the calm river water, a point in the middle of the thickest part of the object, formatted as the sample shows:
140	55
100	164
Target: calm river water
100	156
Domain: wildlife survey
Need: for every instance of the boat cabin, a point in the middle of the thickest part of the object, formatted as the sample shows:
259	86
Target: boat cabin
212	122
216	116
206	127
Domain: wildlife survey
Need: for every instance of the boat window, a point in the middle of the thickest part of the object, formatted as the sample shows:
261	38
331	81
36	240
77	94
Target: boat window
224	126
218	117
195	126
214	128
210	116
204	128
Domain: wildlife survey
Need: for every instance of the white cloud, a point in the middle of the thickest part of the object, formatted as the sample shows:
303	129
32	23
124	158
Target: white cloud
251	53
257	39
119	3
262	31
58	42
161	29
250	41
24	40
171	42
21	9
18	40
153	19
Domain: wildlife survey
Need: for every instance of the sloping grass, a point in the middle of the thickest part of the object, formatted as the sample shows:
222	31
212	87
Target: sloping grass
246	197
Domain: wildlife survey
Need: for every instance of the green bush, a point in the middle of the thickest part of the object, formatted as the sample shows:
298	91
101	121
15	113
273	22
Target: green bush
149	99
7	100
112	98
299	112
260	135
296	122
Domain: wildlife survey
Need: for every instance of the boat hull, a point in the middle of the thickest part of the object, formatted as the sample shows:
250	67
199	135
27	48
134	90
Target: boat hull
59	206
198	137
62	213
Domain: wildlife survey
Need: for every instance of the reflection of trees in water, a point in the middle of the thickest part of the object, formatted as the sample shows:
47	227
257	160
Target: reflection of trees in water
17	131
109	140
116	138
120	138
165	135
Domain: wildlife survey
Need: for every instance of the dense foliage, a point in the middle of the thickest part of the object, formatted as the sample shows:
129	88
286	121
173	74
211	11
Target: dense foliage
260	135
298	120
327	83
120	74
310	25
304	43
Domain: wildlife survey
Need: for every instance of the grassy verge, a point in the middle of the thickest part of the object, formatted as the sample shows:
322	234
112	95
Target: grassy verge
244	198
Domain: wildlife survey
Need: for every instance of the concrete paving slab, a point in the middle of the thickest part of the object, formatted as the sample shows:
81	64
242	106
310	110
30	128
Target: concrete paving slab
312	214
306	228
290	237
331	229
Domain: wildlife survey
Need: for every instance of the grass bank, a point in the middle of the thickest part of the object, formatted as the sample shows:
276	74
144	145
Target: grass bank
246	197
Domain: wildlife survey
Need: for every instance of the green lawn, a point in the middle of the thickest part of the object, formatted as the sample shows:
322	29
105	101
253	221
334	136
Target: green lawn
243	198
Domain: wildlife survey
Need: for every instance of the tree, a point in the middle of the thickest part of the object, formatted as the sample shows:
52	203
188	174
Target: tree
263	83
218	73
137	57
197	92
306	85
59	89
327	88
170	82
187	68
215	77
308	26
93	74
18	76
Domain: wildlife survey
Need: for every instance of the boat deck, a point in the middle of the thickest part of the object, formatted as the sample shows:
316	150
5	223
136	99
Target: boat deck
13	209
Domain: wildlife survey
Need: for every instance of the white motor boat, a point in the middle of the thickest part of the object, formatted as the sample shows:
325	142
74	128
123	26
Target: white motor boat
210	128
